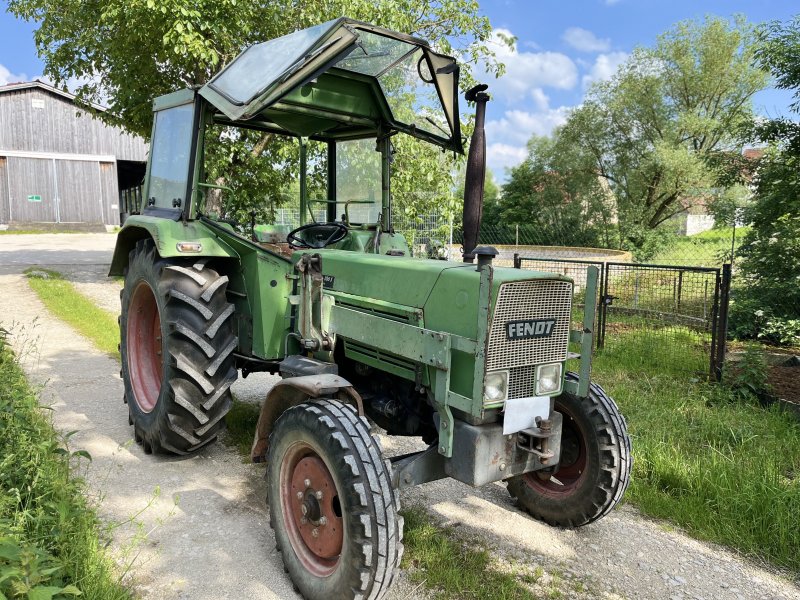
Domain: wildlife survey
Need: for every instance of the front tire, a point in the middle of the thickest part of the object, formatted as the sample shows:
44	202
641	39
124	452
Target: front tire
594	468
176	346
332	505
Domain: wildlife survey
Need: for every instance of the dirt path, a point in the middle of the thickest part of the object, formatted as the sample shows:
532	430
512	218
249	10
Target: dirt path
214	541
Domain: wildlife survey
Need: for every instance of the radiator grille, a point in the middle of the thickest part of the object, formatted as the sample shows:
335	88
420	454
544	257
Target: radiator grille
537	299
521	382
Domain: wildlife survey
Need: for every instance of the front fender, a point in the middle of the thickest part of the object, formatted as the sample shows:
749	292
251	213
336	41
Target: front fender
166	234
293	391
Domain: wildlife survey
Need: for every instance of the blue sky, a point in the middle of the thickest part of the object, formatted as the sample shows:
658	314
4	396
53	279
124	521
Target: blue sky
562	46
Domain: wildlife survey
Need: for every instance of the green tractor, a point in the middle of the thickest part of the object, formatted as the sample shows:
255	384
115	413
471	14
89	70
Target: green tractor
468	357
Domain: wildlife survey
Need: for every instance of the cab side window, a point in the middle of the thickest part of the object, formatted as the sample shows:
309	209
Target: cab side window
170	150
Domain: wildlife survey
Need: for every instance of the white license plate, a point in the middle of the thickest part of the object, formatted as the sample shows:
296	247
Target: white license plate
521	413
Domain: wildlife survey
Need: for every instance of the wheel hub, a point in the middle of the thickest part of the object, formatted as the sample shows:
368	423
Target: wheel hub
565	479
315	508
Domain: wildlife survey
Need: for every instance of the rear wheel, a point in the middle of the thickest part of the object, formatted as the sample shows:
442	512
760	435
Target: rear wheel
594	468
176	345
332	505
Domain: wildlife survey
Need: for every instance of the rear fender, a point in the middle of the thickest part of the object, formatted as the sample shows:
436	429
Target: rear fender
166	234
293	391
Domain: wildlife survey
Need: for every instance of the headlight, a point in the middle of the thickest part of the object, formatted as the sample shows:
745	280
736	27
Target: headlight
495	386
548	379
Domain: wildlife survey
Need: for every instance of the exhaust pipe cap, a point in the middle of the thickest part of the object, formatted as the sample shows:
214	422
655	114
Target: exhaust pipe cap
485	255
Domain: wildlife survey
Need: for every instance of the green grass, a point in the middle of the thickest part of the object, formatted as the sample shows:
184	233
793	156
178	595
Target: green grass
74	308
707	249
240	423
49	536
722	469
454	568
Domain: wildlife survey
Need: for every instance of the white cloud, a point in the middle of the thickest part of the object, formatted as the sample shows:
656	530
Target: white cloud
604	67
500	157
508	136
540	99
7	76
585	41
526	70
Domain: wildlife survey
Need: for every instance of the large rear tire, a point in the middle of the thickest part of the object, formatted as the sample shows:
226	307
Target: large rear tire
332	504
594	468
176	345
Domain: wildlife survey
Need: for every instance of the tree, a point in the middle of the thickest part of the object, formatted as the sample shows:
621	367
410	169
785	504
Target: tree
126	52
654	131
558	195
767	304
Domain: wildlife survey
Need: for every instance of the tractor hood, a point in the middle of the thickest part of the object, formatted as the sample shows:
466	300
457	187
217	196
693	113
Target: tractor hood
446	292
342	79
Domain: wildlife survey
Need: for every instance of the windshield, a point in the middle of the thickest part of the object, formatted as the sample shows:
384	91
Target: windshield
404	74
358	182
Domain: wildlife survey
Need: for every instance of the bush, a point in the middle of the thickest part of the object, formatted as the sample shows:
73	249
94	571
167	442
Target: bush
753	319
767	306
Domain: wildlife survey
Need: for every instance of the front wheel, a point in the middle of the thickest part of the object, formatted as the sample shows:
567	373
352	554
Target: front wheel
332	505
594	468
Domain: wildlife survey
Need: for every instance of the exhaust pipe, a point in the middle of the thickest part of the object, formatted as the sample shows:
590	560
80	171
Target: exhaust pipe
476	172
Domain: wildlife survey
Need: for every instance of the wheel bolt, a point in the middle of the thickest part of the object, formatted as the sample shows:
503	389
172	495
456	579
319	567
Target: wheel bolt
318	495
303	520
315	532
307	482
299	495
323	520
304	509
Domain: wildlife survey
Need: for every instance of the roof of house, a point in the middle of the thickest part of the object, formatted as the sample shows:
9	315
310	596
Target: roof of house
26	85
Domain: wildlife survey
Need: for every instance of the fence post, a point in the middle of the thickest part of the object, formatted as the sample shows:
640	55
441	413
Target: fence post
517	261
722	321
517	236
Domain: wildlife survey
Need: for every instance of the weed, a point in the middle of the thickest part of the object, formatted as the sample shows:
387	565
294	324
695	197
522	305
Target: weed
748	377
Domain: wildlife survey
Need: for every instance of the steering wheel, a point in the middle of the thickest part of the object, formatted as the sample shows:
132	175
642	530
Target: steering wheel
335	232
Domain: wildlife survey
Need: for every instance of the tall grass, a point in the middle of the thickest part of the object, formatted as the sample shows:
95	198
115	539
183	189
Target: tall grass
50	544
724	469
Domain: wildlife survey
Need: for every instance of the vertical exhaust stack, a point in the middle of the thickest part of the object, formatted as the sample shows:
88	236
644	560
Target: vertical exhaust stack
476	172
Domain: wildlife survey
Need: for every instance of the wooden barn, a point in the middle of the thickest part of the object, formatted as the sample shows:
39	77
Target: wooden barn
61	167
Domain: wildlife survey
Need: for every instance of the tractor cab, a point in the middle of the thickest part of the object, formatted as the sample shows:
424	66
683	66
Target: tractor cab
346	85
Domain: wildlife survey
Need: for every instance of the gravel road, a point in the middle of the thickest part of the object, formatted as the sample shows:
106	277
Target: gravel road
198	527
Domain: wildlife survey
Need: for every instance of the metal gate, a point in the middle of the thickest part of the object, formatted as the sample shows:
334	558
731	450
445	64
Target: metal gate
672	312
676	314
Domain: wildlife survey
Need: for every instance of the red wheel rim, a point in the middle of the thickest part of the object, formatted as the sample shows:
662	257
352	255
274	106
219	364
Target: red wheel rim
143	347
312	512
571	471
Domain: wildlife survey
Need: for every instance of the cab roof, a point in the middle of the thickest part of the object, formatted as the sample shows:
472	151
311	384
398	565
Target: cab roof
340	80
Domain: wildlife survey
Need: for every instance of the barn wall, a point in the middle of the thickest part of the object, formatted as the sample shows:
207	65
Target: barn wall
110	192
50	148
36	120
80	198
32	177
4	216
